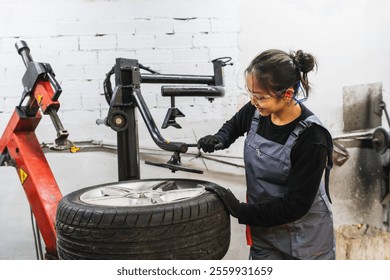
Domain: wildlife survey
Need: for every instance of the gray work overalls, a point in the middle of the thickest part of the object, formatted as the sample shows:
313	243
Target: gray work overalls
267	166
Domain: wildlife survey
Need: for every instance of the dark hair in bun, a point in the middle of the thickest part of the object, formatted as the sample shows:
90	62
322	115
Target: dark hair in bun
276	70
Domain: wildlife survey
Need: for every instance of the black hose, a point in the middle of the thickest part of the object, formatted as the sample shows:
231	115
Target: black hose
107	86
147	69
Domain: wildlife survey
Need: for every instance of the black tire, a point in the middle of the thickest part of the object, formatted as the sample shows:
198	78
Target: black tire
195	228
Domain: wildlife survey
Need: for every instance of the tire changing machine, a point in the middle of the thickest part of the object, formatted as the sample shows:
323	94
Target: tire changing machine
19	146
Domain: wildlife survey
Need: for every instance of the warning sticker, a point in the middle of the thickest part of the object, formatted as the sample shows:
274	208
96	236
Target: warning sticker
40	97
23	175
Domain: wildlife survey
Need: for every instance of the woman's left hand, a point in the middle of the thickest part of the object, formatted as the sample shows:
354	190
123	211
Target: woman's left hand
231	203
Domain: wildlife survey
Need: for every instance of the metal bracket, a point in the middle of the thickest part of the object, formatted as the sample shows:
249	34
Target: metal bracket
361	106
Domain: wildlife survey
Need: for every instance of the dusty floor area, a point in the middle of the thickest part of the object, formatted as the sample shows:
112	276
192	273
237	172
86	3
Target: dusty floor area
362	242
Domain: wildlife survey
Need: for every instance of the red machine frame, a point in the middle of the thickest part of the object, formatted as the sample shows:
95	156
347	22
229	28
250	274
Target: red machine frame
19	146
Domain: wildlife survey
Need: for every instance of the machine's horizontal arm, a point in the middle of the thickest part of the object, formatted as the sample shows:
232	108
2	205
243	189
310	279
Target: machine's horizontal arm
193	91
177	79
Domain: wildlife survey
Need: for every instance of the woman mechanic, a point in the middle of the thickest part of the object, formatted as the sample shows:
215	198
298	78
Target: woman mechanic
286	151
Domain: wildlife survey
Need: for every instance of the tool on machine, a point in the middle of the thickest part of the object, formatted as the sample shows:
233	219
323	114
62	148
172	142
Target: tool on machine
126	97
47	101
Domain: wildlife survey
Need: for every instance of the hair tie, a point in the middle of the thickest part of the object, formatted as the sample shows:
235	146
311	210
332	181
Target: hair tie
295	62
296	93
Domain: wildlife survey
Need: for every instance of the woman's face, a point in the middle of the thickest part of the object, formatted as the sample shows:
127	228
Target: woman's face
266	103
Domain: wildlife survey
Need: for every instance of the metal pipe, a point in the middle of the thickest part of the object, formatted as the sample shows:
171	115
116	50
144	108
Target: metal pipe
177	79
152	128
56	120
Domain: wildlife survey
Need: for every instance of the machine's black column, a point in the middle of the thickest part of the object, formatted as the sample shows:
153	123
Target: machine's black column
127	75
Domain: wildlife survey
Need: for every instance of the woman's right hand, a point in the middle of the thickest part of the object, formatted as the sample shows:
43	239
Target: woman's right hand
210	143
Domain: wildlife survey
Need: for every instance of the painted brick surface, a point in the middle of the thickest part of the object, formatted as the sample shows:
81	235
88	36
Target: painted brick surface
82	39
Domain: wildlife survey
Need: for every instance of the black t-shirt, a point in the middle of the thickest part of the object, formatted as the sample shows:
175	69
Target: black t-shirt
308	160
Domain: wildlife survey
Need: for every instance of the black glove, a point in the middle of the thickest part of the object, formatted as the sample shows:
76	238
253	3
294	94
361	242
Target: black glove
209	144
231	203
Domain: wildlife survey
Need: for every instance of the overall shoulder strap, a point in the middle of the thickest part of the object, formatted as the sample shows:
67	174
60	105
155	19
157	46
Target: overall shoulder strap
301	126
255	121
256	116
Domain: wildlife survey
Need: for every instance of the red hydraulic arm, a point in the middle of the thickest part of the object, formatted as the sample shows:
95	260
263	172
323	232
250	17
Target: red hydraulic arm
19	146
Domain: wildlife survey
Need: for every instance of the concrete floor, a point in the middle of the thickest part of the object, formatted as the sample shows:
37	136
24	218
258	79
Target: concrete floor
75	171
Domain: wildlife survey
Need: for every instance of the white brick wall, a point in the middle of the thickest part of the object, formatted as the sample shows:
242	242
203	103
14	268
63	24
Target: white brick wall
136	41
193	25
154	26
81	40
101	42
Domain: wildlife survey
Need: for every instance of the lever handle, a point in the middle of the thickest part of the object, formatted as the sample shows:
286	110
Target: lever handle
101	121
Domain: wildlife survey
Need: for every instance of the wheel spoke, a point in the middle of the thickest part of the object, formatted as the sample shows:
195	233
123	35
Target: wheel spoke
130	194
